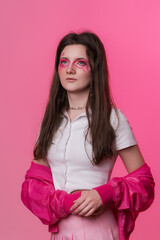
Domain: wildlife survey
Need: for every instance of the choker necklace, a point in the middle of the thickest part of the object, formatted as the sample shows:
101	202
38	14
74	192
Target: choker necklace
78	108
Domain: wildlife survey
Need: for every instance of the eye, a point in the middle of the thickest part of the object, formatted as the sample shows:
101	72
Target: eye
80	62
63	62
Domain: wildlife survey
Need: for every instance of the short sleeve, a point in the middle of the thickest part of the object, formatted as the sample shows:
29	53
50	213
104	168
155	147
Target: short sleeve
124	135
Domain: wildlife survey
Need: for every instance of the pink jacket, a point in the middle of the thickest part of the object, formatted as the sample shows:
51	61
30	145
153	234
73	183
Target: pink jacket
132	194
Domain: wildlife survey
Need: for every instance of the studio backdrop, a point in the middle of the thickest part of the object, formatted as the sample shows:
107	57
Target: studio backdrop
30	32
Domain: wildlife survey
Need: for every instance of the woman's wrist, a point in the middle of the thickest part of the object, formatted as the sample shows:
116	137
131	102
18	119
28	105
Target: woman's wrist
106	192
69	201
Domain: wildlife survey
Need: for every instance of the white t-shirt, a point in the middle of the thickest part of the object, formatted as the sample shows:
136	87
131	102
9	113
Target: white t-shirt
69	155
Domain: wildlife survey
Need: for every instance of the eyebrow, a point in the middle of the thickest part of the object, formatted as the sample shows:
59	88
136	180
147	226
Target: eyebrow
75	59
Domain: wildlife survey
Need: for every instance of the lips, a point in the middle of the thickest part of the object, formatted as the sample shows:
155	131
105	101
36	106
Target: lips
70	79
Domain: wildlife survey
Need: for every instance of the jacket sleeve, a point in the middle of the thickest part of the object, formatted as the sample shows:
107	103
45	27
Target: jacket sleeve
134	191
40	197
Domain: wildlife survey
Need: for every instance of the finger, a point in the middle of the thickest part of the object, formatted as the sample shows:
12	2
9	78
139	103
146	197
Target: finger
93	215
85	210
89	213
96	213
80	207
78	202
84	206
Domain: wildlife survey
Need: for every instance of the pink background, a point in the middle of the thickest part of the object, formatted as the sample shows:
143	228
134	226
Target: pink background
30	32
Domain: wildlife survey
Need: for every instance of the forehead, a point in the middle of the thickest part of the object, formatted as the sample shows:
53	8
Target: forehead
74	51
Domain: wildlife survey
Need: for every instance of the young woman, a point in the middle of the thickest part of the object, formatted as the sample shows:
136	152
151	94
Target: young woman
68	185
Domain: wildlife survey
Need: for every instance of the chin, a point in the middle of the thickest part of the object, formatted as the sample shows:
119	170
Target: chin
71	88
74	90
78	91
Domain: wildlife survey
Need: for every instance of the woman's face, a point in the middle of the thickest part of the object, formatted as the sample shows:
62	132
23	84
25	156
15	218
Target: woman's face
74	69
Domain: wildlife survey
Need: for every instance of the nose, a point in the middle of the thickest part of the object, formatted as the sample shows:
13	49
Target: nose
71	69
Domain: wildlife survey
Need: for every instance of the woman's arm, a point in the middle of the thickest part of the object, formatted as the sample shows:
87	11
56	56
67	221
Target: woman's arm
40	197
132	158
134	191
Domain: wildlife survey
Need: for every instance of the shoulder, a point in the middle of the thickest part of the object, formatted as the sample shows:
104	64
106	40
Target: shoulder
123	130
117	118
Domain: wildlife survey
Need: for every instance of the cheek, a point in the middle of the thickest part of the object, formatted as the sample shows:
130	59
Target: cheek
61	76
85	77
87	69
85	73
84	68
61	72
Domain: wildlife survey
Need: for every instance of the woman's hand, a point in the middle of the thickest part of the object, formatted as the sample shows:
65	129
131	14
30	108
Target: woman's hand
99	211
87	204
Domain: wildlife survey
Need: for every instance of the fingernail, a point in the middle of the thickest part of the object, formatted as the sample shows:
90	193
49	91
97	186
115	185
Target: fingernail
70	209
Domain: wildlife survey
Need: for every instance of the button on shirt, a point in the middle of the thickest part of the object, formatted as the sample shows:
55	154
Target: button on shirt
69	155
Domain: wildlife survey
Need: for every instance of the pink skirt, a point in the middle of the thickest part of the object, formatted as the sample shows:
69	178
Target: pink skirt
75	227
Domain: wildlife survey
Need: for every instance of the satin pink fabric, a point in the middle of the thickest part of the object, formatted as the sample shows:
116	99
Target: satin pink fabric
80	228
132	194
40	197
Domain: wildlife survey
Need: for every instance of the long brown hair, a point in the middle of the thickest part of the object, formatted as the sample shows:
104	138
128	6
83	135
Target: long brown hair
99	101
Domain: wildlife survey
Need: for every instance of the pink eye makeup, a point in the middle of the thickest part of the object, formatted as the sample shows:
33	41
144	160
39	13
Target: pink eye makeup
63	63
80	63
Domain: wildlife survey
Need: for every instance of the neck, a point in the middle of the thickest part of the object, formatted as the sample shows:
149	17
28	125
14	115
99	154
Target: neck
78	99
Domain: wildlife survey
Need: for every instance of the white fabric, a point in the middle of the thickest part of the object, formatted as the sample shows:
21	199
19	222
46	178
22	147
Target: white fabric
70	162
